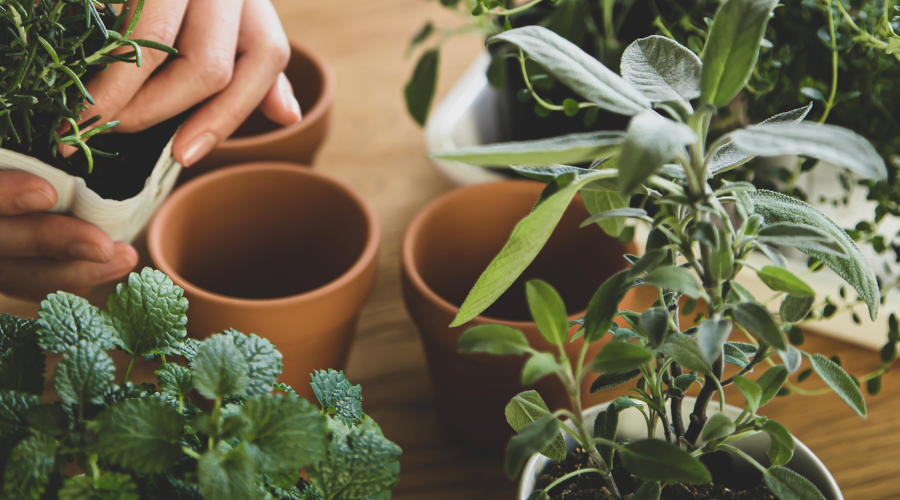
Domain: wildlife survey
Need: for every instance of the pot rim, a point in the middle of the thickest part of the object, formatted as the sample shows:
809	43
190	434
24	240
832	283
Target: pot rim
319	108
369	253
410	237
531	465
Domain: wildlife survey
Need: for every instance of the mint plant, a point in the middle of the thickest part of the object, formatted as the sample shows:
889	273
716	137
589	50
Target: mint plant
663	171
51	47
150	441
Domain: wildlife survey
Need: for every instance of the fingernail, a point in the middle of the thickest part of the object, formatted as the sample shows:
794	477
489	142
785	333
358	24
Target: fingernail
124	260
197	149
81	250
288	99
33	201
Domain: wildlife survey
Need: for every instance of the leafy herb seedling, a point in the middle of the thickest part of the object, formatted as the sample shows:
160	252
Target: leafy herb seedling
695	249
150	441
50	47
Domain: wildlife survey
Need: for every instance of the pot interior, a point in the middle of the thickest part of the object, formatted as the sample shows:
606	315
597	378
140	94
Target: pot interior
263	233
460	237
307	80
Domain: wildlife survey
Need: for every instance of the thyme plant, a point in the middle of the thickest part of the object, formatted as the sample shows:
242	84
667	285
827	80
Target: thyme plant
150	441
701	233
49	47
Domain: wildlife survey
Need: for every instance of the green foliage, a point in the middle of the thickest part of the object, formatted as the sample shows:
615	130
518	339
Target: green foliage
133	442
548	311
528	407
419	92
493	339
567	149
21	358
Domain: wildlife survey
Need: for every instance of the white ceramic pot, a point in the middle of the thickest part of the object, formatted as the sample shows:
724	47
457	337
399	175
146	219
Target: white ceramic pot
633	426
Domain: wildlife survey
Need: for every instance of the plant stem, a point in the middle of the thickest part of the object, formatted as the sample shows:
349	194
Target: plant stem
834	64
571	475
128	370
698	416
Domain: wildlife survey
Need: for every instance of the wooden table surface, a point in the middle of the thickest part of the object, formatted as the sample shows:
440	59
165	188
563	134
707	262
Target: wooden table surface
376	148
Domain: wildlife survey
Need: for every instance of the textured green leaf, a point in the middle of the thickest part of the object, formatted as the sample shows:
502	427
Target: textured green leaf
493	339
149	313
14	407
361	463
771	382
188	349
107	486
174	380
65	319
621	357
686	353
840	382
711	337
729	156
751	391
788	485
286	432
782	280
854	268
656	460
732	48
718	426
655	323
735	356
528	407
651	141
604	201
647	491
84	375
792	358
337	395
610	380
568	149
759	321
220	368
21	358
782	448
538	366
576	69
29	467
548	311
263	362
676	279
419	91
527	239
227	474
141	434
531	439
662	69
604	306
833	144
606	425
795	309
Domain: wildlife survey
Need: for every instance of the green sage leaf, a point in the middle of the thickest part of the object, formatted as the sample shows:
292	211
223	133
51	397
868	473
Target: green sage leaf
493	339
651	141
570	149
718	426
686	353
782	448
788	485
621	357
610	380
538	366
676	279
771	382
840	382
548	311
604	306
528	407
531	439
759	321
711	337
662	69
751	391
782	280
795	309
656	460
419	91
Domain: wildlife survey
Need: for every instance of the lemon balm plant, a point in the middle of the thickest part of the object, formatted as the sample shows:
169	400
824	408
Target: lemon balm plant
150	441
701	232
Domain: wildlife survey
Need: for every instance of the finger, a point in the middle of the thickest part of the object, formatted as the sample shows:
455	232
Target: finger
263	54
34	278
280	105
114	87
21	193
206	49
54	236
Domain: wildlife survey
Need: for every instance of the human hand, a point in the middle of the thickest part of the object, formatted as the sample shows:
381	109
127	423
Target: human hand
44	253
231	52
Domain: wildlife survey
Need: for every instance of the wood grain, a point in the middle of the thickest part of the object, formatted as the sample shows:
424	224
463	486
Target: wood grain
378	150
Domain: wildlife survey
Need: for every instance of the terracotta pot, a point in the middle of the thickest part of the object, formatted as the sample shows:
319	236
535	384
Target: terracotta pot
272	249
445	249
259	139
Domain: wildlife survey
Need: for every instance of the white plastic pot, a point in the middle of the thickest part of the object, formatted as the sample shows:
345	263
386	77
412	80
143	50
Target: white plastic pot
633	426
122	220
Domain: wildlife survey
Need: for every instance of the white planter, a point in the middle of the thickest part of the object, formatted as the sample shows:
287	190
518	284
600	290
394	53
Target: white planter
122	220
633	426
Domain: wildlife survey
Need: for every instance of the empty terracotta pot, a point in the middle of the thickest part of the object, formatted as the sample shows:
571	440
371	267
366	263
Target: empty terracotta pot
259	139
272	249
446	248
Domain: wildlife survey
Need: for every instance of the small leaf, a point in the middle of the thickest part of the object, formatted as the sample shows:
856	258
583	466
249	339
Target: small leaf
263	361
647	491
735	356
795	309
21	358
782	280
610	380
29	466
662	69
141	434
286	432
84	374
676	279
548	311
219	368
538	366
686	353
729	156
567	149
337	395
606	202
656	460
792	359
419	91
174	380
711	337
718	426
782	448
621	357
493	339
606	425
651	141
750	390
227	473
840	382
531	439
65	319
788	485
107	486
655	323
604	306
528	407
771	382
759	321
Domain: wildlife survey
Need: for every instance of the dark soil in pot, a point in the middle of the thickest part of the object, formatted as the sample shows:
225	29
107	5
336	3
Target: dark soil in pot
726	485
123	176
